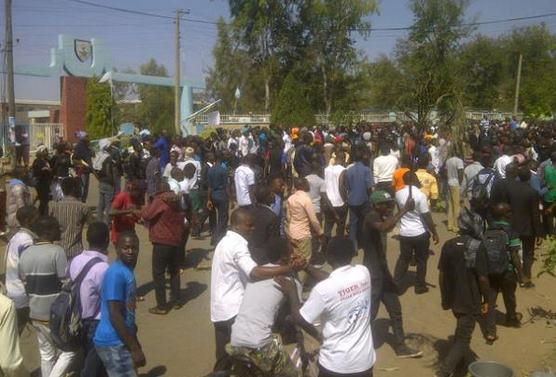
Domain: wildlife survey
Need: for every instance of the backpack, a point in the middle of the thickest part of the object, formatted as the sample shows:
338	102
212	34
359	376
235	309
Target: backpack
66	324
495	242
480	194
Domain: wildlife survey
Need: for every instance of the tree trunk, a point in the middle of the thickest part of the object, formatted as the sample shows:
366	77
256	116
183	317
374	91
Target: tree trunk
267	94
327	100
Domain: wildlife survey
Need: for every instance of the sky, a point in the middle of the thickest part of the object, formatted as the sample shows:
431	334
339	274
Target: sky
133	39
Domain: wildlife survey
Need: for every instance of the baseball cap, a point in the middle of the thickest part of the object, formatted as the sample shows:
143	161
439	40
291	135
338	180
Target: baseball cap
381	196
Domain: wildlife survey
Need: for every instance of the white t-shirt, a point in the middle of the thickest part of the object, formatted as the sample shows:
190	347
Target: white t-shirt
14	286
287	142
316	186
168	168
243	178
411	224
435	158
453	166
332	184
231	267
342	304
384	167
243	145
500	165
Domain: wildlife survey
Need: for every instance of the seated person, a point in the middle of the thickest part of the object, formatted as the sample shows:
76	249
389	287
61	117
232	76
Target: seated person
252	330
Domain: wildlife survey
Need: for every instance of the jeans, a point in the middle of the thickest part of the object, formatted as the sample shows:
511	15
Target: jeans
330	220
221	206
117	360
356	217
383	289
528	246
327	373
409	246
222	335
453	207
104	205
166	258
460	350
507	284
54	362
84	187
92	364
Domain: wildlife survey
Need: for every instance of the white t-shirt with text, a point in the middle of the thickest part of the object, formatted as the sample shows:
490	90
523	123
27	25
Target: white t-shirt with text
342	304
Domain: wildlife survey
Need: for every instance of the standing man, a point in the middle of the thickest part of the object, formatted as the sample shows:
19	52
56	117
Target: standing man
302	220
18	195
384	167
106	172
116	335
163	149
153	174
42	267
72	214
359	183
463	276
266	225
454	172
126	210
524	203
20	241
416	227
244	180
232	268
378	222
335	211
83	161
341	304
98	236
218	196
427	181
165	218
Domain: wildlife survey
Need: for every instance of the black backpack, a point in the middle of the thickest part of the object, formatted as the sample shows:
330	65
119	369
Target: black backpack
496	245
66	324
480	195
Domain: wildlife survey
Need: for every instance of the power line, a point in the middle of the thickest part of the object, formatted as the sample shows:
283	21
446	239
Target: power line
139	13
480	23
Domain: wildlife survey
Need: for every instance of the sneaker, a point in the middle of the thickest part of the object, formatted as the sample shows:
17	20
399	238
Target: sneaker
158	311
421	290
527	285
404	352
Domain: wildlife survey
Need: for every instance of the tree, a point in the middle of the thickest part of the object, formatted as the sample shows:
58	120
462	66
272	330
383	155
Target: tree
100	105
292	108
157	102
330	26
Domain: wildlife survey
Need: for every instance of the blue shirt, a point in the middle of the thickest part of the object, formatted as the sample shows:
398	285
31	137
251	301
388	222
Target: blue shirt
118	285
359	180
217	177
162	145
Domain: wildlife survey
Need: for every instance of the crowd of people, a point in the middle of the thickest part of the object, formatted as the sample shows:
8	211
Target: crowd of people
299	199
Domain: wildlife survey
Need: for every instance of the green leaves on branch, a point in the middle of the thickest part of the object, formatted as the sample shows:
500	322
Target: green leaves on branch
100	105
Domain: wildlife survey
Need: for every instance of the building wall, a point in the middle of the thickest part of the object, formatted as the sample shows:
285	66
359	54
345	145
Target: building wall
73	100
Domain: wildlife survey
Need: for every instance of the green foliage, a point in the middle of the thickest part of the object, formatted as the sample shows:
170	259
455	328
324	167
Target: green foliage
268	39
156	111
292	108
100	105
548	257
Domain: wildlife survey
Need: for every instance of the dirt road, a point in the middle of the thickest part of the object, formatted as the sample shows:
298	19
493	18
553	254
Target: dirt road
181	343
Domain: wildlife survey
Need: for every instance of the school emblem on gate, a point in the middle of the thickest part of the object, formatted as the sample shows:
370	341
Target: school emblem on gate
83	49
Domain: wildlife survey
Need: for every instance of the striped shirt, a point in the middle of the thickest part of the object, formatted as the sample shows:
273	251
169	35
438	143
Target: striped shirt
72	215
42	267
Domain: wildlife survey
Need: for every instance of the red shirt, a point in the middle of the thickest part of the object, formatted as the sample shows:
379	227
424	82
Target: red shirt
122	201
165	222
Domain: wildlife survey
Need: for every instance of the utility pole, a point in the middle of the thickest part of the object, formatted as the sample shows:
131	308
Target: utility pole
177	85
9	51
517	83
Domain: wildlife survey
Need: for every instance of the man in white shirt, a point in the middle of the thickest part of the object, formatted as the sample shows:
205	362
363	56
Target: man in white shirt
20	241
416	226
244	182
252	330
335	211
383	169
244	143
341	303
502	161
232	268
454	173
